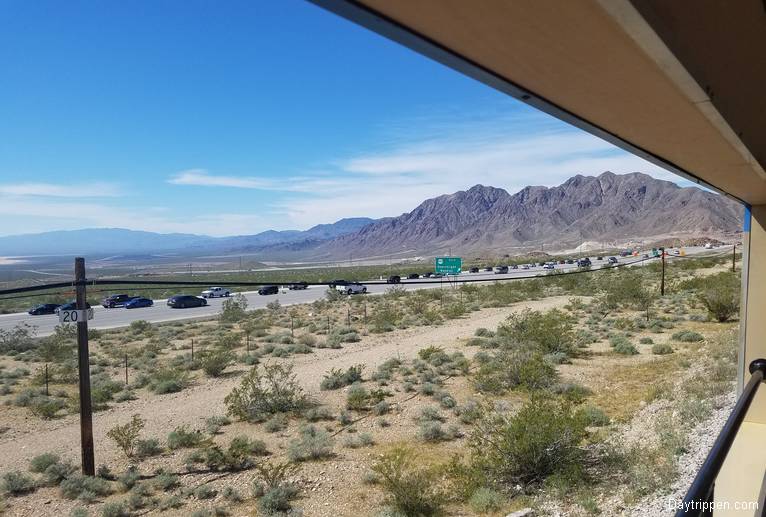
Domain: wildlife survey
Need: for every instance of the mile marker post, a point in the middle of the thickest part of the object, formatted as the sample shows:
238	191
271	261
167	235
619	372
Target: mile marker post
83	359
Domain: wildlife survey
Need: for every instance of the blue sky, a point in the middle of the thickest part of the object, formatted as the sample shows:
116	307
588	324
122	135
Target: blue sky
236	117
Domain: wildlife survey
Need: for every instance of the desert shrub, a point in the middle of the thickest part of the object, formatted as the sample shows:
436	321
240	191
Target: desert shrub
646	341
234	309
265	392
687	336
336	378
720	295
509	369
126	435
213	424
550	332
594	416
662	349
203	492
56	472
168	380
129	478
486	500
315	414
16	483
433	431
77	484
165	481
237	456
625	348
148	448
16	340
482	332
115	509
381	408
311	444
543	438
214	362
276	423
276	501
360	440
469	412
410	488
357	398
184	438
46	407
41	462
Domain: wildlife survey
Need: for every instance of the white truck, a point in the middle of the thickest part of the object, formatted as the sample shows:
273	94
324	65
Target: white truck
216	292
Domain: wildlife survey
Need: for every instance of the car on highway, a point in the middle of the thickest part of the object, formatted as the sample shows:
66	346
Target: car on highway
488	269
393	279
570	261
185	301
413	276
473	270
138	303
352	288
676	252
515	266
584	262
562	261
429	274
525	266
268	289
115	300
335	283
43	308
549	265
298	286
613	260
599	258
215	292
69	307
501	270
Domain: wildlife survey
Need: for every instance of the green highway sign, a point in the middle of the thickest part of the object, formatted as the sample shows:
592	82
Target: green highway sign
448	265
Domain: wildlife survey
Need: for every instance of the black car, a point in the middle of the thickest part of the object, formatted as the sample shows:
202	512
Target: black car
297	286
599	258
335	283
69	307
488	269
501	270
515	266
268	289
583	262
115	300
473	270
394	279
45	308
184	301
413	276
429	274
570	261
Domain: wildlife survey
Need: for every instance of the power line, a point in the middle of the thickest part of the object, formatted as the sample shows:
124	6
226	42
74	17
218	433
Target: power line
169	283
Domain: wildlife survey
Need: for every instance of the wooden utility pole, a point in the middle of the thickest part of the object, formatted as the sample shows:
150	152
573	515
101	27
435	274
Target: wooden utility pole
662	282
83	359
734	258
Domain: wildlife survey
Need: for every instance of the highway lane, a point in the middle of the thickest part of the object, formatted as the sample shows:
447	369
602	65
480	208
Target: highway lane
160	312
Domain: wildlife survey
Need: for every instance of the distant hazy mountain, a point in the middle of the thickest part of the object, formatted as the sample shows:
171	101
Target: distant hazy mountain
607	207
105	241
314	234
98	241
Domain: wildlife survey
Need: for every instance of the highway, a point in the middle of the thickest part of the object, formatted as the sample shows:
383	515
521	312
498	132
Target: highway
160	312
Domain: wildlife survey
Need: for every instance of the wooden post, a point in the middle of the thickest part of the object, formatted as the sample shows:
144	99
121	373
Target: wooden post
86	410
662	282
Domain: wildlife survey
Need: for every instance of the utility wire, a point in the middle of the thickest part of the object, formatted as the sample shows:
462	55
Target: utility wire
169	283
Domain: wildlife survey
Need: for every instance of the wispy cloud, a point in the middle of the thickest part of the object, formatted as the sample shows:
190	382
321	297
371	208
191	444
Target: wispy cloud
60	190
201	178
